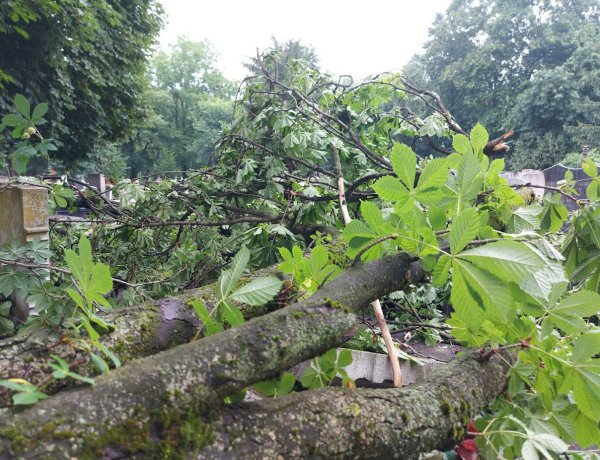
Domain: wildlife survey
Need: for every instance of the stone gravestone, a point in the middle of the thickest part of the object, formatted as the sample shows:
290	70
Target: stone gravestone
23	217
23	213
98	181
555	174
534	177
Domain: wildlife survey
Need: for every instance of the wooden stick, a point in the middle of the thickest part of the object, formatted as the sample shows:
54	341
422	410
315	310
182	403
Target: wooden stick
385	332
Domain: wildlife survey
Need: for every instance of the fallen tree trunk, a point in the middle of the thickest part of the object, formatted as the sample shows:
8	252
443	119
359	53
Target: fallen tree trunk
328	423
363	423
139	331
193	378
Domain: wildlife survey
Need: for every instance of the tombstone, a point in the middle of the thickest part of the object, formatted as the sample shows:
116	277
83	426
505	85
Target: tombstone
555	174
512	178
23	213
98	181
23	217
533	177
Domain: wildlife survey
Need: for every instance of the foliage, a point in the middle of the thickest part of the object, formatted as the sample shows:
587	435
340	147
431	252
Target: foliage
283	55
25	393
276	387
259	291
325	368
191	103
62	371
28	141
92	283
517	282
527	66
87	60
573	159
366	339
308	273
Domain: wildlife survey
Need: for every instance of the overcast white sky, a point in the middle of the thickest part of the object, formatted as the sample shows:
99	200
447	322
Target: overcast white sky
350	37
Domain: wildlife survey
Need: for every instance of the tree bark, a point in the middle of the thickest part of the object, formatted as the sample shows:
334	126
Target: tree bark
139	331
194	378
362	423
329	423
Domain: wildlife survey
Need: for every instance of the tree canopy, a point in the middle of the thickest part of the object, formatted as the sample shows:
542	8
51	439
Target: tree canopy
190	102
86	59
314	181
520	65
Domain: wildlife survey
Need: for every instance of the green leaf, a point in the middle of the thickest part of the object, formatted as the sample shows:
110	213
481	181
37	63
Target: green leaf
589	167
404	164
60	201
27	394
582	304
526	219
586	267
357	234
232	313
344	358
431	189
437	218
13	119
464	229
461	144
19	162
77	298
508	260
478	288
441	271
496	167
468	176
101	281
434	175
479	137
212	327
259	291
587	431
108	353
100	364
230	277
312	379
586	346
319	257
390	189
27	399
14	385
22	105
39	111
276	387
586	392
372	216
6	325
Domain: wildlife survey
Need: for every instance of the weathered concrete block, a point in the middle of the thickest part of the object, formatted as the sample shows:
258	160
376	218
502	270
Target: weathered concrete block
98	181
374	370
23	213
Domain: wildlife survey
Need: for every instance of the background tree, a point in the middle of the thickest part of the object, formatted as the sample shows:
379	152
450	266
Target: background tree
514	64
87	60
191	101
283	54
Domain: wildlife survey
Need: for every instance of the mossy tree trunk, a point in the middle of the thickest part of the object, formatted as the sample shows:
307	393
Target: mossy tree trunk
163	392
361	423
138	331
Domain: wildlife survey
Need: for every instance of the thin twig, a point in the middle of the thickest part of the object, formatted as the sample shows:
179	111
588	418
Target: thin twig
551	189
372	244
